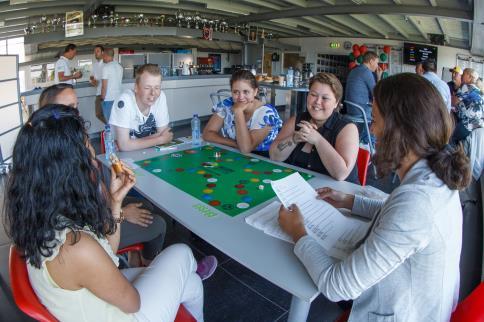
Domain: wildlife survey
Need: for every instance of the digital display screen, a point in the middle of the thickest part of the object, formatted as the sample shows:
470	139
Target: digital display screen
416	53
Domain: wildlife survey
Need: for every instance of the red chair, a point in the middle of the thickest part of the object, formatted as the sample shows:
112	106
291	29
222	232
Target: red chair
362	161
28	302
471	309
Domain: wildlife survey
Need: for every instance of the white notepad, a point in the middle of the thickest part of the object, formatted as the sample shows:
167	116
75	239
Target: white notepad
338	234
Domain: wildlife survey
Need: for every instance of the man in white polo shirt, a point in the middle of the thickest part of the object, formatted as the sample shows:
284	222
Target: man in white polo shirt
112	75
62	70
140	117
96	80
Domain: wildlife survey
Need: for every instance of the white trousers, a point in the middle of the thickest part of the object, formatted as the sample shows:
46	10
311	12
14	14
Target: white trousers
169	280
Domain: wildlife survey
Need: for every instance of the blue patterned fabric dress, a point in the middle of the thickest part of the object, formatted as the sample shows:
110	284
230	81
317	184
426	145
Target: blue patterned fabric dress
470	109
266	115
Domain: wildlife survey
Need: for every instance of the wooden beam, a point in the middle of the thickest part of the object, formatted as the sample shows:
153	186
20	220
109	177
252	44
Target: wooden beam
455	13
367	24
417	26
394	26
327	25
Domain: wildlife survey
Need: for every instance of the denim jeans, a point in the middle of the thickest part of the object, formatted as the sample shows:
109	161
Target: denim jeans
107	106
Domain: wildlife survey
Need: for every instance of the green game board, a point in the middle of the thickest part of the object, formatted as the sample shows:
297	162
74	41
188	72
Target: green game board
230	182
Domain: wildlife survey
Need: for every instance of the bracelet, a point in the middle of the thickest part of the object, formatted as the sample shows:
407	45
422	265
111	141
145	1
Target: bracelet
120	219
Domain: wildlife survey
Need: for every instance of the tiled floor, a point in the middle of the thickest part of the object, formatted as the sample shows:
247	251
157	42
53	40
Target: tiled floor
234	293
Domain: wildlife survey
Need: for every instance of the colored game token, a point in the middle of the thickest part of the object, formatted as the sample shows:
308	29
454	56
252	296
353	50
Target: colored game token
229	160
247	199
214	203
190	151
254	180
277	170
179	170
261	187
256	172
201	172
243	205
266	180
207	197
239	186
288	170
244	181
207	191
211	185
156	170
248	170
242	192
207	175
254	160
267	172
212	180
227	206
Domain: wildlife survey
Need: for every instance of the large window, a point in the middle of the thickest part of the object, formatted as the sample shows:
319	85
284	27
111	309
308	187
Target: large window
15	46
3	47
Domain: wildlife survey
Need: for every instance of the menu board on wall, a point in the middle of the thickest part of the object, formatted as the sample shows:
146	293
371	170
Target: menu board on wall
416	53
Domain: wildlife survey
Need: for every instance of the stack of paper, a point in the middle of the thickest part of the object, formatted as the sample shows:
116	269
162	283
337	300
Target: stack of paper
336	233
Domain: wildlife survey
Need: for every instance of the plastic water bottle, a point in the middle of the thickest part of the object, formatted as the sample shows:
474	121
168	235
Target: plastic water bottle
196	137
108	141
290	77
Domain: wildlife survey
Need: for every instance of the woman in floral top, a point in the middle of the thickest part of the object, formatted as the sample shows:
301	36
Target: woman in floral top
468	106
243	121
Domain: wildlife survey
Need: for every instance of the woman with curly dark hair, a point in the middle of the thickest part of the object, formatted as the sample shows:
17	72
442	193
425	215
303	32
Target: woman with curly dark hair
407	266
57	215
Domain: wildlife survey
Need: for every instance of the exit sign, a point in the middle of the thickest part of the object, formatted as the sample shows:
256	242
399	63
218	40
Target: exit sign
334	45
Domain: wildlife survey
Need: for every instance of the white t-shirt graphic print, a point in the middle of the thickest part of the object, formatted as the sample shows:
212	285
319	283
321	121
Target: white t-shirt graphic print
126	114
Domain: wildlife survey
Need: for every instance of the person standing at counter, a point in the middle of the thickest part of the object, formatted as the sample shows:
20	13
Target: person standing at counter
320	139
140	116
96	80
406	268
112	76
359	90
62	70
245	122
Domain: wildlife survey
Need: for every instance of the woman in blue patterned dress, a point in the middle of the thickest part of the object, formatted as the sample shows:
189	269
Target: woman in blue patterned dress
242	121
468	106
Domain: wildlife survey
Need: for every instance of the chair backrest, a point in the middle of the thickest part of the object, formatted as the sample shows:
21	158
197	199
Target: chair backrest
362	161
23	294
219	96
471	309
103	147
29	303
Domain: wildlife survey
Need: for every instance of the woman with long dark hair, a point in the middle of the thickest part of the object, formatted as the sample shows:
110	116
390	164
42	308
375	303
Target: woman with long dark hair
407	266
57	214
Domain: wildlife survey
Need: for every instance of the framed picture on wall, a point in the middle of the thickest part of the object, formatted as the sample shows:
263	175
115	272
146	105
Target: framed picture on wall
216	62
252	34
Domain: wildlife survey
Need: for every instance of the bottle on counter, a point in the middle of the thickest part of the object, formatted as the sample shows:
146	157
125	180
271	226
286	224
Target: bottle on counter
108	141
196	136
290	77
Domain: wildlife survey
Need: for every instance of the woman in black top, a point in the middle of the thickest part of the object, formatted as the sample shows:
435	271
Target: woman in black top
320	139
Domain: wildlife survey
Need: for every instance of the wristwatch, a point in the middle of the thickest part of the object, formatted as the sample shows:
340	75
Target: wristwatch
120	219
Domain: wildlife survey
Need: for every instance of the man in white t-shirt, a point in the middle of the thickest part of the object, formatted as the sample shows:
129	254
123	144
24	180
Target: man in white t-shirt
62	70
112	76
96	80
140	117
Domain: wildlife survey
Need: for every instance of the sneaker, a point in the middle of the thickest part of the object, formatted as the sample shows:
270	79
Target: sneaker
206	267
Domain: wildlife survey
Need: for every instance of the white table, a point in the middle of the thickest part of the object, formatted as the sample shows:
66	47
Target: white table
271	258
